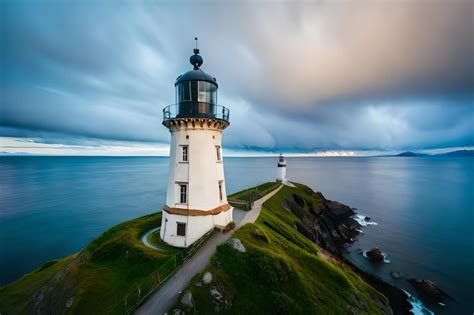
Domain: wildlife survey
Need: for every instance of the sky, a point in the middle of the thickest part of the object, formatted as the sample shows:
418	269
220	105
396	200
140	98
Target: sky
305	78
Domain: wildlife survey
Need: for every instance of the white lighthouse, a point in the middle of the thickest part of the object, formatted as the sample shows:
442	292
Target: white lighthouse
196	200
281	165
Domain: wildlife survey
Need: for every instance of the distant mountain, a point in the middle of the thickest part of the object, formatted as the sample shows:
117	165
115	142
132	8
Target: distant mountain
411	154
458	153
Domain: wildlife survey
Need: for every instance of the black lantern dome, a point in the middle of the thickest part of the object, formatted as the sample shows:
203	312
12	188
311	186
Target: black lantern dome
196	74
196	94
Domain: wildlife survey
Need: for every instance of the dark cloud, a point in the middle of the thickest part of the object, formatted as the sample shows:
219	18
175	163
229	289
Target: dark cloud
297	76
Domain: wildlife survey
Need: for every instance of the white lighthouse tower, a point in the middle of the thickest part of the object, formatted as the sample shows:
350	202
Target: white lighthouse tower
196	200
281	165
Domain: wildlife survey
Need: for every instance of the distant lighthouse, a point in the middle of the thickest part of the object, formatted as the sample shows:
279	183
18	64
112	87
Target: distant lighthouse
196	200
281	165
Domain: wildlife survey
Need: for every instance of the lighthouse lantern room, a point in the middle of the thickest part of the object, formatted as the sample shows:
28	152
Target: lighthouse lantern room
196	200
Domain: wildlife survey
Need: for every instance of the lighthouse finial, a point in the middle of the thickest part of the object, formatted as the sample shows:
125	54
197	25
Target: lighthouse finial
196	50
196	59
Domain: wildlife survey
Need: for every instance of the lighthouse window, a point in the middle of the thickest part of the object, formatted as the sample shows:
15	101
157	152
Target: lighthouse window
181	229
183	193
184	92
184	149
218	152
220	191
212	94
202	91
194	90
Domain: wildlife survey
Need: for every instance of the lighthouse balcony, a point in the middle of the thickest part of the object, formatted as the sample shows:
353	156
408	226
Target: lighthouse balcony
194	109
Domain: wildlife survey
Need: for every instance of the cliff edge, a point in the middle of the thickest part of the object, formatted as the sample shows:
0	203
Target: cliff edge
275	265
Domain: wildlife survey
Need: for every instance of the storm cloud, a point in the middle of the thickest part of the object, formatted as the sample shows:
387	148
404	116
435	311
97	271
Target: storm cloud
371	75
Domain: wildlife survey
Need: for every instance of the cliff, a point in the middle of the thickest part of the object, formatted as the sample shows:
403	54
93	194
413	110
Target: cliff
94	281
275	266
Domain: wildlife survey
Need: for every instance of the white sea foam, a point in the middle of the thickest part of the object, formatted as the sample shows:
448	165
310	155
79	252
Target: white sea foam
361	220
417	306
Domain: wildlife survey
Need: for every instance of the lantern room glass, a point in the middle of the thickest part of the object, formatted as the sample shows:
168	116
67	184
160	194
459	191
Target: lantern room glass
196	91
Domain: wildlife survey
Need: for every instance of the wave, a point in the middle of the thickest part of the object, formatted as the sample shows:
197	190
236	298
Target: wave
361	220
417	306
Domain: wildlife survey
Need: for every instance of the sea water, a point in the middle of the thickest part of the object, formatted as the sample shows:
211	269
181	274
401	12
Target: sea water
424	209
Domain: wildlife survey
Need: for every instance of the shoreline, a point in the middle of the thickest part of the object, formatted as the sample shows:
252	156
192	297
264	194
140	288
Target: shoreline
401	301
333	226
398	299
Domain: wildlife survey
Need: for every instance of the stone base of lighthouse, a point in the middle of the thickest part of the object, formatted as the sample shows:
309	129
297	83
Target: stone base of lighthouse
196	225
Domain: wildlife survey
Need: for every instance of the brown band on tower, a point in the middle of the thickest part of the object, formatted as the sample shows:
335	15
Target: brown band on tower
194	212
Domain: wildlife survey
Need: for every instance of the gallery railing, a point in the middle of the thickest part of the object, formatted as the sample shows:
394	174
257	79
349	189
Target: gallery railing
196	110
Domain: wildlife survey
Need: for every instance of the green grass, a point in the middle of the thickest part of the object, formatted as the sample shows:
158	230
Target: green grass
243	199
14	297
97	279
257	191
155	240
281	272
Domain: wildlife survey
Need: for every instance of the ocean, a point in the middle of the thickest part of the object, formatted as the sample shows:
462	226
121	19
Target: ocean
423	209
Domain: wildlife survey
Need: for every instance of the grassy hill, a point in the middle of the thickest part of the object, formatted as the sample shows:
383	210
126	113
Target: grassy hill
281	272
93	281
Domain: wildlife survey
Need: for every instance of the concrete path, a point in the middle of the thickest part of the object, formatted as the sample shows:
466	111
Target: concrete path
289	184
147	243
163	299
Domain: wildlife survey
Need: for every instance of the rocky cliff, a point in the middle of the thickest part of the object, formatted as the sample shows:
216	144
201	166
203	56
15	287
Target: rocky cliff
328	223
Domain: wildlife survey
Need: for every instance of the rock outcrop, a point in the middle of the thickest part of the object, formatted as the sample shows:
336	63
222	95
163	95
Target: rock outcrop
330	224
207	278
396	274
258	234
327	223
47	298
187	299
221	297
428	289
375	255
236	244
